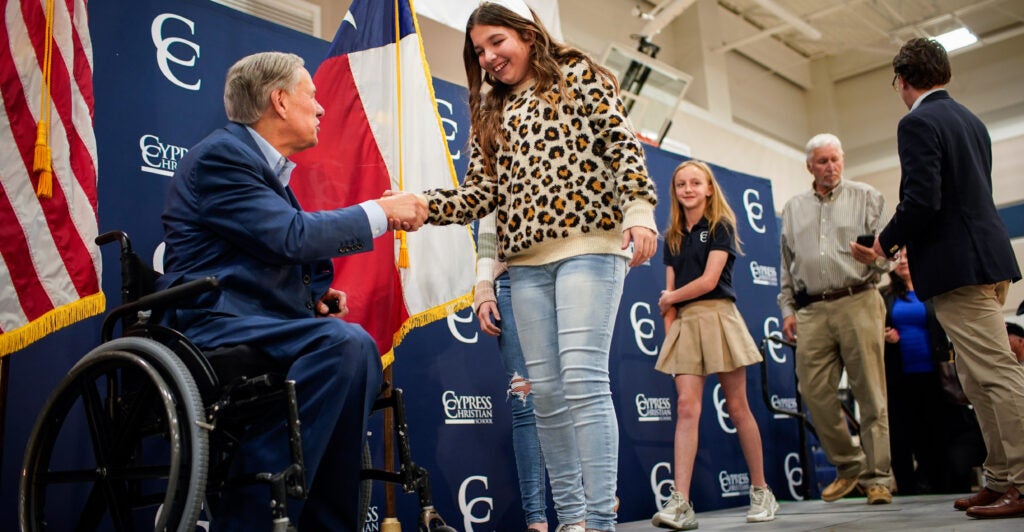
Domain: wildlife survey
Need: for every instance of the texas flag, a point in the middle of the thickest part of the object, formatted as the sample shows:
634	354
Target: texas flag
381	131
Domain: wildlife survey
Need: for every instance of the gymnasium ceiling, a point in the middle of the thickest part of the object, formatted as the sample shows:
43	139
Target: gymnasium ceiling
855	36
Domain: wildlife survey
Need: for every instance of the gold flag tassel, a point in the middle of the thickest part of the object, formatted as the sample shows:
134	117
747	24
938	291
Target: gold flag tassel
42	164
403	249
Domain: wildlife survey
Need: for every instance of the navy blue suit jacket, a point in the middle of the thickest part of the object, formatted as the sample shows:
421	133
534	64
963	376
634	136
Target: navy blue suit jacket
227	214
946	216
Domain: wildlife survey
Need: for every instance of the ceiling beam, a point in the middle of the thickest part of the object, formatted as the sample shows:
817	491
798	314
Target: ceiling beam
768	32
661	16
790	18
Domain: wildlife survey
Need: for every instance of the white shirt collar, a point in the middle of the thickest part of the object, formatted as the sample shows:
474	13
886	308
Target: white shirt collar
923	96
279	163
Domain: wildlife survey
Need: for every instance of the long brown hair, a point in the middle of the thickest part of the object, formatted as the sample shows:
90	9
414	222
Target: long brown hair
546	58
716	210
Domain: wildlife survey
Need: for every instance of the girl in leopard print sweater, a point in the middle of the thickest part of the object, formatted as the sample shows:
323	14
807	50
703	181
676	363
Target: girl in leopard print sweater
555	158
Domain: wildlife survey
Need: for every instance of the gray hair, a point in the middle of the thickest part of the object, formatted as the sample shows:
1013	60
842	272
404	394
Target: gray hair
251	80
820	141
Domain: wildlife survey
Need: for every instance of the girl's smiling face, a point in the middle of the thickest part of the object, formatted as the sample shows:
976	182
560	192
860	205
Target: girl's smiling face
692	188
502	53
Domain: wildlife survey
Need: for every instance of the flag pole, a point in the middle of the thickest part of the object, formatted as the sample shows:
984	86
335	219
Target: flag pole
5	369
391	523
403	248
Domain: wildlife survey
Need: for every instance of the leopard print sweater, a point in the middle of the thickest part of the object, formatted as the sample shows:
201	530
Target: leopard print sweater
571	178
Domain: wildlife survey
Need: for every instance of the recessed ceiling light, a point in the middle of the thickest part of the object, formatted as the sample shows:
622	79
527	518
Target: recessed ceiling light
956	39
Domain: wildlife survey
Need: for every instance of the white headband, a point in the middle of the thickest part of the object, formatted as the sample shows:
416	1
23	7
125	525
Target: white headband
518	7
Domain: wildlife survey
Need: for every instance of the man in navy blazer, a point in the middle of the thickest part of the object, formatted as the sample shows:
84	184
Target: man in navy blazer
230	213
962	260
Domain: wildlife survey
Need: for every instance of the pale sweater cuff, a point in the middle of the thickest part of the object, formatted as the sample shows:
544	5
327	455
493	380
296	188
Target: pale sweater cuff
640	213
482	293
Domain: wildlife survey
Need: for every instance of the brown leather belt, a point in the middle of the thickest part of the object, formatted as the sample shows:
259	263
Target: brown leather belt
833	295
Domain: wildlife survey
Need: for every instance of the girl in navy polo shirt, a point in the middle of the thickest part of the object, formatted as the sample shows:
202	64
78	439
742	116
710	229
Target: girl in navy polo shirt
705	334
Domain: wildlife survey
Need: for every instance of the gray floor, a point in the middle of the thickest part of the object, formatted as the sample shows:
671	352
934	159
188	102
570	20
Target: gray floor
922	512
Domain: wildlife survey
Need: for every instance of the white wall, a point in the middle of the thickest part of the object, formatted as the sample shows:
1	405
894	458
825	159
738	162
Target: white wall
768	103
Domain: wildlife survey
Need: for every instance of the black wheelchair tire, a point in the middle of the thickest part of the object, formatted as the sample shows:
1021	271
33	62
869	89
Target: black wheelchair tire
365	487
178	412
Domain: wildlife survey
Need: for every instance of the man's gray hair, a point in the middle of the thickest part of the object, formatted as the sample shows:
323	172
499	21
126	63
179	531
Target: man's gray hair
820	141
251	80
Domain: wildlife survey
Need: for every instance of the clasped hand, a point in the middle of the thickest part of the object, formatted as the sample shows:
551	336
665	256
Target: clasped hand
405	210
323	307
665	302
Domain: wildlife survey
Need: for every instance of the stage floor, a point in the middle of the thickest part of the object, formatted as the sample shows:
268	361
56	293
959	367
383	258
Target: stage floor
922	512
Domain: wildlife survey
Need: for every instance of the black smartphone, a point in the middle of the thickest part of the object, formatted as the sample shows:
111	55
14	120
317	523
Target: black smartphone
866	240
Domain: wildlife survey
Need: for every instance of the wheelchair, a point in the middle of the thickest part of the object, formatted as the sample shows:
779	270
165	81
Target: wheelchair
141	430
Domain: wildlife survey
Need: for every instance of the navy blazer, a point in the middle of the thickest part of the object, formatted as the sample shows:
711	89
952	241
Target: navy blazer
227	214
946	216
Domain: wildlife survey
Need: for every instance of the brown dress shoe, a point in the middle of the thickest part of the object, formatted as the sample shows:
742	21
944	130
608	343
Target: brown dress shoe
1011	504
879	494
982	498
839	488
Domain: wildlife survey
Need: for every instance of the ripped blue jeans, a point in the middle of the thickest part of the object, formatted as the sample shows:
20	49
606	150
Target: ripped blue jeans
566	313
525	445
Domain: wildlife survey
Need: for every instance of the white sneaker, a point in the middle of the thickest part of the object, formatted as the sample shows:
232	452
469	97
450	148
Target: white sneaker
762	505
676	514
570	528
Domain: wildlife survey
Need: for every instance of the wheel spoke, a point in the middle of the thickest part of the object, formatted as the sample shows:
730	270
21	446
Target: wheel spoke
136	407
99	423
93	511
106	492
68	476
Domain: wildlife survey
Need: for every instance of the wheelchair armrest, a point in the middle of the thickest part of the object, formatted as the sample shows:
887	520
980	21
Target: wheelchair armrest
157	300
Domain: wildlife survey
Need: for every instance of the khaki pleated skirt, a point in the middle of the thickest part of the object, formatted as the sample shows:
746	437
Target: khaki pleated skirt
707	337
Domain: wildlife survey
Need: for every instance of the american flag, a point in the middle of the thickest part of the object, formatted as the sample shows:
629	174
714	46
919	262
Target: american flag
382	130
50	267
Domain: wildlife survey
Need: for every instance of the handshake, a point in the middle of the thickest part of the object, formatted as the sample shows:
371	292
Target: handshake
405	210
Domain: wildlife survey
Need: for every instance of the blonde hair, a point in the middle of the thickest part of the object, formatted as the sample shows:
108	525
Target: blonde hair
716	210
546	57
251	80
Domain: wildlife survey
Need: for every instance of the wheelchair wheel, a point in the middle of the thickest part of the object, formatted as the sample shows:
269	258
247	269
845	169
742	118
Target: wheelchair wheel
118	445
365	487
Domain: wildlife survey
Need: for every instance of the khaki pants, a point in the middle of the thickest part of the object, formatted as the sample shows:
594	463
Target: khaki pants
833	334
991	377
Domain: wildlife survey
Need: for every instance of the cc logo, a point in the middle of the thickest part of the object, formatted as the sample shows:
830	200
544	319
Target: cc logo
454	319
164	45
755	211
466	506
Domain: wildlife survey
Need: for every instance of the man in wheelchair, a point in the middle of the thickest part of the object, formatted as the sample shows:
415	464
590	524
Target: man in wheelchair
230	214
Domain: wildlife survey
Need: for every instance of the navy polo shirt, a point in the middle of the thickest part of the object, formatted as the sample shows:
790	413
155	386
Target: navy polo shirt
689	264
